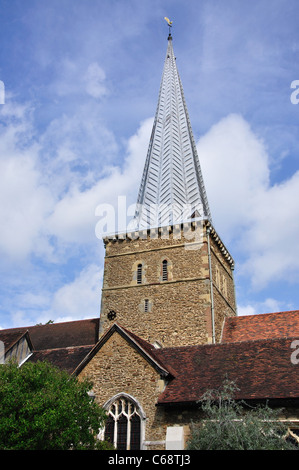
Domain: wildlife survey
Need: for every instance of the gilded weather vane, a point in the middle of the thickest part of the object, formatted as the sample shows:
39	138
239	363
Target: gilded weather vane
169	23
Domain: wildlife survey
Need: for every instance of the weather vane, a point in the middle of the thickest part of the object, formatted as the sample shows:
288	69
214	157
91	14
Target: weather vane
169	23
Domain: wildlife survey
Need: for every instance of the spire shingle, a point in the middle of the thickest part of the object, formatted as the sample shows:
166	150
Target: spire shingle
172	188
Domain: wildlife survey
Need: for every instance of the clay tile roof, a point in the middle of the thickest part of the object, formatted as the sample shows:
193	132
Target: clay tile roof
63	344
262	326
58	335
10	338
261	369
63	358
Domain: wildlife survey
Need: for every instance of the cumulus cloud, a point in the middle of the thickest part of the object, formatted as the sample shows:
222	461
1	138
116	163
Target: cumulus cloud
79	298
51	203
76	77
48	213
75	299
267	306
95	81
271	239
236	171
25	201
74	217
257	220
52	190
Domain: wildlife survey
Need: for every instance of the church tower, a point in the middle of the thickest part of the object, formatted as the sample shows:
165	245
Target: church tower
169	278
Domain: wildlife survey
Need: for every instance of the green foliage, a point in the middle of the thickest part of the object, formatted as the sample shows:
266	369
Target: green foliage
232	425
44	408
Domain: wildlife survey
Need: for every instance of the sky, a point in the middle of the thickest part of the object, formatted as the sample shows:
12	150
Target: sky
79	83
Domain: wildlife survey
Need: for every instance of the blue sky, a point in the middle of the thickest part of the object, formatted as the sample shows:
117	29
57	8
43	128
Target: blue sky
81	84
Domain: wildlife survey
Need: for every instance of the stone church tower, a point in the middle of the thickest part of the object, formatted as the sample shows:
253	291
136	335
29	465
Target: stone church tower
169	278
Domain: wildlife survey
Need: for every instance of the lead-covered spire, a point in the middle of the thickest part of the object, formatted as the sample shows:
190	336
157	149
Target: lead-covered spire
172	188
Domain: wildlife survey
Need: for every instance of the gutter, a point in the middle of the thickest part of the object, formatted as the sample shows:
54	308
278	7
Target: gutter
211	287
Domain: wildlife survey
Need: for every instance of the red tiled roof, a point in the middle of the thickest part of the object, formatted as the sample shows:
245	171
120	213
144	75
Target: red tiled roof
11	338
63	344
63	358
58	335
262	326
261	369
260	364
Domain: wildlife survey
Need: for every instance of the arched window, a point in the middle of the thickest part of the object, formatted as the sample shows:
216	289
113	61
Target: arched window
124	423
139	274
164	270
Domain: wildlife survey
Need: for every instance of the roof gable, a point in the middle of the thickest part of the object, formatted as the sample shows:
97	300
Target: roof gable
62	344
17	346
11	338
146	350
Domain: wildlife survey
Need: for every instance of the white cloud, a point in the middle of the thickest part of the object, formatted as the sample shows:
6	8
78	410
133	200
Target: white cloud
235	170
25	202
74	219
75	77
78	299
45	196
47	199
256	220
95	81
48	215
267	306
272	238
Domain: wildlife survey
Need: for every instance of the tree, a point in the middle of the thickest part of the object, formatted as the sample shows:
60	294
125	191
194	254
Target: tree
232	425
44	408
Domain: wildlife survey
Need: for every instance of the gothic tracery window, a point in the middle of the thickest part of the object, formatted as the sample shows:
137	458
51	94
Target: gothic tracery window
123	425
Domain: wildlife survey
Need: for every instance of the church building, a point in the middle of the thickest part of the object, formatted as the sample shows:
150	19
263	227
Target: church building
168	329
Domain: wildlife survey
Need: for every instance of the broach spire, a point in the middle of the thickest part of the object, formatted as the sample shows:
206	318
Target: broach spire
172	189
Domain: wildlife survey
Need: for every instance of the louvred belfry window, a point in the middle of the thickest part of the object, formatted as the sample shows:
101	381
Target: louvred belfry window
139	274
123	425
165	270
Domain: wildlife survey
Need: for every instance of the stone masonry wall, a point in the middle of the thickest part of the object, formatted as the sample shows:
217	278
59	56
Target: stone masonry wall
118	368
223	288
177	309
173	312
